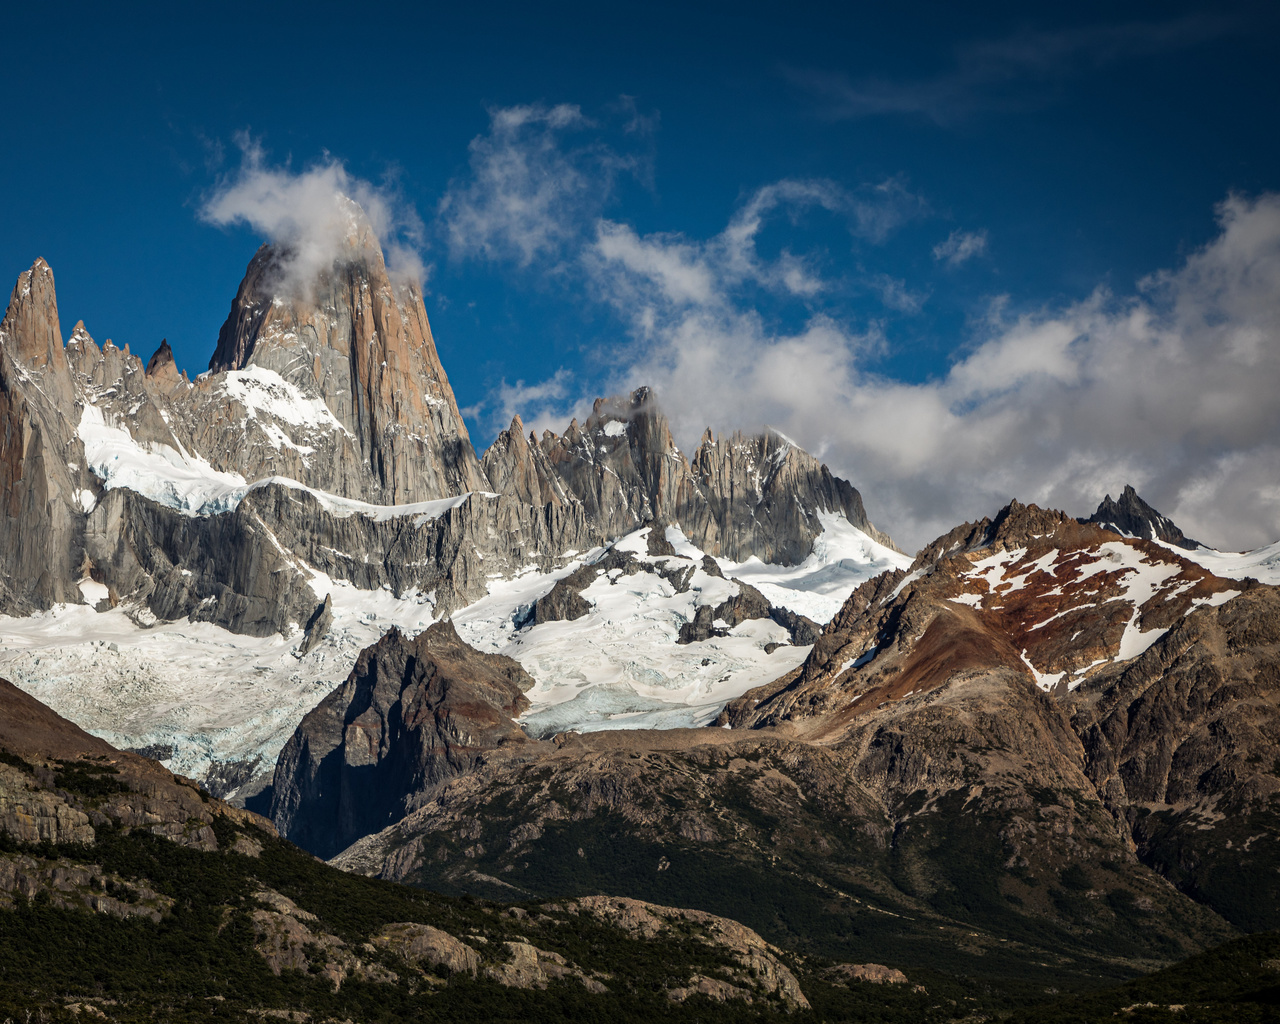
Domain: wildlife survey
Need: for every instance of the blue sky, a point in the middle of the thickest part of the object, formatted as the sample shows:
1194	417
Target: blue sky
836	218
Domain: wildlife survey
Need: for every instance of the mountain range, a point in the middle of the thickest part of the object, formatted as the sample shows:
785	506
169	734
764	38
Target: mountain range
587	667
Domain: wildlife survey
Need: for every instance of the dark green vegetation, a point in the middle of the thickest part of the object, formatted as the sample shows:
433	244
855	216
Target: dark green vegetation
199	963
775	843
1237	983
88	779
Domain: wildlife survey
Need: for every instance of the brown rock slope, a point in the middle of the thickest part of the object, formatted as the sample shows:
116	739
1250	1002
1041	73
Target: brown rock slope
213	907
1000	756
60	785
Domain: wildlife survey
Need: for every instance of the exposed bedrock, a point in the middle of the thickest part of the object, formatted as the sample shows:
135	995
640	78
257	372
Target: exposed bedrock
739	496
412	714
1133	517
251	569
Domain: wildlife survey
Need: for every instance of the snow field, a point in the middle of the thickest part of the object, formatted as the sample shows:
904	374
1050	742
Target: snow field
219	698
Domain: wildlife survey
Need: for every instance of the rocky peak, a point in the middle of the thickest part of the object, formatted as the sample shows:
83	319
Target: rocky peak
741	495
412	714
517	465
766	494
1033	594
1133	517
161	365
362	344
30	331
1014	526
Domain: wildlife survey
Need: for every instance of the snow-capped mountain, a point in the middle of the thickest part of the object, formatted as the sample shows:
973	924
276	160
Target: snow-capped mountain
214	552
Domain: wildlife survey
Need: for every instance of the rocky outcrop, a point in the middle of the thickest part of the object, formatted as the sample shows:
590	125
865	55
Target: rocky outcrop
1181	744
739	496
59	786
58	783
362	346
422	944
1133	517
30	814
747	603
287	938
412	714
41	479
877	974
758	970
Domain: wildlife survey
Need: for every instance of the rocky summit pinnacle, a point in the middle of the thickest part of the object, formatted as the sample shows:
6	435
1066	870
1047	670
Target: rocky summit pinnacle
739	496
354	339
1133	517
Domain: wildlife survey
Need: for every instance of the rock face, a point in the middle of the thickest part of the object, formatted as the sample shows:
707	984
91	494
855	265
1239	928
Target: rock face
41	545
59	785
77	413
361	409
412	714
739	496
1133	517
363	347
1182	745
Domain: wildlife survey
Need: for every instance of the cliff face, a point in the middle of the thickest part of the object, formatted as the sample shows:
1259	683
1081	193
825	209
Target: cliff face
134	478
412	714
41	479
739	496
364	348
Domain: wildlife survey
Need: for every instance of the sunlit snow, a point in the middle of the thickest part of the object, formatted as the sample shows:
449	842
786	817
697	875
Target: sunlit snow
218	697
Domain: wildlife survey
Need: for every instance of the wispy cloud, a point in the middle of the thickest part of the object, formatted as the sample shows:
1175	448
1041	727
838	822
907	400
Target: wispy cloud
1015	71
544	405
535	180
311	215
960	247
1169	386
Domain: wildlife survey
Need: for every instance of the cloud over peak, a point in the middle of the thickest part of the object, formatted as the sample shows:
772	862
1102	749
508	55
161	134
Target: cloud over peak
314	216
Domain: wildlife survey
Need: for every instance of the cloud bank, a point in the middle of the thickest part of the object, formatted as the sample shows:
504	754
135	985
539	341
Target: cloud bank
1171	387
310	216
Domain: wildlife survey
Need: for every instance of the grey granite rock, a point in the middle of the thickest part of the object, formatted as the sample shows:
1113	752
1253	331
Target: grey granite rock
1133	517
412	714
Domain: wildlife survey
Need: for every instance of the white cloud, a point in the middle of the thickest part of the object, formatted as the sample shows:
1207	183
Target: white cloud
961	246
895	294
544	405
529	193
1171	388
314	215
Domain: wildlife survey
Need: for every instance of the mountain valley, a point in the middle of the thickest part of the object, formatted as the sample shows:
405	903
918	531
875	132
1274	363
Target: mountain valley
581	724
